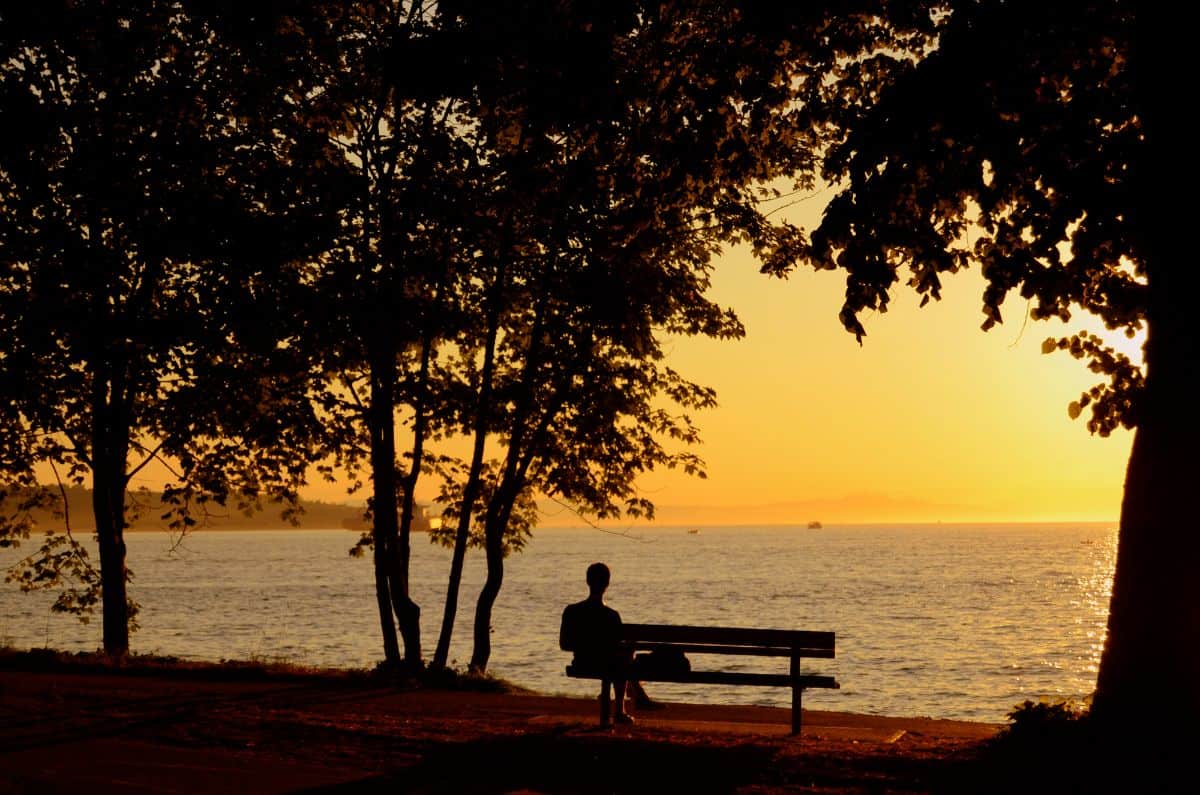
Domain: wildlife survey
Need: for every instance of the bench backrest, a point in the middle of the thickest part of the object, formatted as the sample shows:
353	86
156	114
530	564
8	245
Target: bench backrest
734	640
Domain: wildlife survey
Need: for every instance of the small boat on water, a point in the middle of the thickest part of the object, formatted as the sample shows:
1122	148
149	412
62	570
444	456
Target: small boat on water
814	525
693	531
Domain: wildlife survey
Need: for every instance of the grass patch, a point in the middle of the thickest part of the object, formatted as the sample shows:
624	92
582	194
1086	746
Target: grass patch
455	679
55	661
254	669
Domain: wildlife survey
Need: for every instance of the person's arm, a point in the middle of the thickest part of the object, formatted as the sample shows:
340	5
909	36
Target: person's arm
566	634
618	636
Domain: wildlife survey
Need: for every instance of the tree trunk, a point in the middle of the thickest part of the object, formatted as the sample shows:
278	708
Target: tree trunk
441	654
108	504
471	490
482	651
383	496
498	514
407	610
408	613
462	532
383	598
110	443
1151	659
1150	668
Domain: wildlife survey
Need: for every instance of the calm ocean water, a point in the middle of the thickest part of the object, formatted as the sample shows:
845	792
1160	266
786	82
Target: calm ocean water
951	621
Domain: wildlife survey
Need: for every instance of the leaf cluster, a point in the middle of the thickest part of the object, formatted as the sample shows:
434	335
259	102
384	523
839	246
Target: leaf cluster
1010	147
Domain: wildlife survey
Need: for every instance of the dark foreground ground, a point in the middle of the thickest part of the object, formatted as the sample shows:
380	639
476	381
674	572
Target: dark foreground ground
101	732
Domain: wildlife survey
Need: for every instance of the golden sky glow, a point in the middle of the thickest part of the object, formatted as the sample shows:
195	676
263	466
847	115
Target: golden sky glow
931	419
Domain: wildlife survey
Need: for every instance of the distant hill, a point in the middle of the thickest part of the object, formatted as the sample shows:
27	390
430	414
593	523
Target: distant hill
316	516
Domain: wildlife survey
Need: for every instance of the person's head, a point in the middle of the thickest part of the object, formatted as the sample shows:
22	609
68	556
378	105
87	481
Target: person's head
597	578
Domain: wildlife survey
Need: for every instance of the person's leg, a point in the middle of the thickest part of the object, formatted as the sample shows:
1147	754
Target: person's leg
641	699
605	703
619	714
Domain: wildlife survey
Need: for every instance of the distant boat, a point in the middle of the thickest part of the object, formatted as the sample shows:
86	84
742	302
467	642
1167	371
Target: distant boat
693	531
814	525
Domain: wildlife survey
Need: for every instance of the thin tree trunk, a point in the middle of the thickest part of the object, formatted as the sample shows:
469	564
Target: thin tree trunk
383	495
494	552
441	654
407	611
108	506
383	595
524	445
499	513
383	602
471	490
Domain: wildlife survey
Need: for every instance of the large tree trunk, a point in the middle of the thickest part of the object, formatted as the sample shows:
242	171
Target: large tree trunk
1151	659
1150	668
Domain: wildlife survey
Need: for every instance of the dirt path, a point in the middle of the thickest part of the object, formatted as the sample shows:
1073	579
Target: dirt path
99	733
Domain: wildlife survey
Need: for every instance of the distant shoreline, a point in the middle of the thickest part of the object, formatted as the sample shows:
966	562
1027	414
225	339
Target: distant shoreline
833	525
270	529
147	509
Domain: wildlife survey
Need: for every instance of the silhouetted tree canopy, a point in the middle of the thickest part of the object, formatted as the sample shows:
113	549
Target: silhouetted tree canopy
388	291
633	141
1040	142
146	230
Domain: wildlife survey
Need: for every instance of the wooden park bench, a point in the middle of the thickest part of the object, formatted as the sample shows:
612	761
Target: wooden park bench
793	644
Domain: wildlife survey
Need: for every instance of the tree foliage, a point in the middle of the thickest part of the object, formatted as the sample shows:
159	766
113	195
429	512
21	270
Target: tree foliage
1035	142
632	142
388	293
146	230
1019	166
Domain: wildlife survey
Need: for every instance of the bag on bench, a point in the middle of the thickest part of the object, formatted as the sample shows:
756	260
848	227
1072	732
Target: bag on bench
661	662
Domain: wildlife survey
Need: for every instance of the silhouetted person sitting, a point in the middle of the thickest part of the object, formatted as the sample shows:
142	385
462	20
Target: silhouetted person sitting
592	630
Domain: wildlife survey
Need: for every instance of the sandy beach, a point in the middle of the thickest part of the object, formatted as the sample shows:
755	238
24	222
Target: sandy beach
98	732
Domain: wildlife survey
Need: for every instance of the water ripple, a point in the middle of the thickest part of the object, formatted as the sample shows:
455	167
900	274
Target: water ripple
953	622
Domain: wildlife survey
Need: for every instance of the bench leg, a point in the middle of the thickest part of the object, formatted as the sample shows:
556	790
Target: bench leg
605	702
796	691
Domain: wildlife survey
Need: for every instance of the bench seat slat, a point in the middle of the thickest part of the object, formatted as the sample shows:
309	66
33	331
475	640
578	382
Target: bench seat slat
729	636
723	678
710	648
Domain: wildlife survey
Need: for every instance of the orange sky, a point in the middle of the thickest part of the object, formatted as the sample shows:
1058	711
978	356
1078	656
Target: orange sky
931	419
